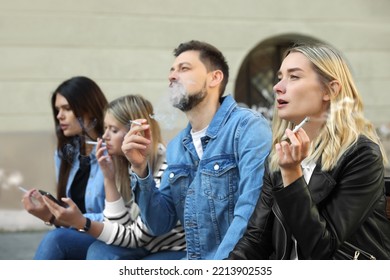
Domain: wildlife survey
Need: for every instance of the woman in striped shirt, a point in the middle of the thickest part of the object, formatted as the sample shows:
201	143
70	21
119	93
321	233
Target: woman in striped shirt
123	226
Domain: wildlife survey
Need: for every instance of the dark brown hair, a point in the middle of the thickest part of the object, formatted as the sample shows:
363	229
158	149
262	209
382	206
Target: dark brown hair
86	100
211	57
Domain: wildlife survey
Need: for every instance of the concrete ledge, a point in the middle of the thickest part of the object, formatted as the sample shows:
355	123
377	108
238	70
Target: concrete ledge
20	220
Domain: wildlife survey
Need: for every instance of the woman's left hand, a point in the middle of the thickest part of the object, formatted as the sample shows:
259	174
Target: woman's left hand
291	155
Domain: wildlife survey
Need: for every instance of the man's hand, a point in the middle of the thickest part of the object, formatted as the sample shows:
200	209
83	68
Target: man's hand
137	146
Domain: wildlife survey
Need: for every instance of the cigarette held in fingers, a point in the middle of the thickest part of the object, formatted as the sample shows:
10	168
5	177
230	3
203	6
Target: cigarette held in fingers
135	122
93	143
23	189
301	124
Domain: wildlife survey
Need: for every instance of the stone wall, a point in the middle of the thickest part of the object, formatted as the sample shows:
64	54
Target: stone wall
126	47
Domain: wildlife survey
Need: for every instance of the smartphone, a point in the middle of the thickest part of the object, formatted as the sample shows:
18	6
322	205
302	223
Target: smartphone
51	197
45	193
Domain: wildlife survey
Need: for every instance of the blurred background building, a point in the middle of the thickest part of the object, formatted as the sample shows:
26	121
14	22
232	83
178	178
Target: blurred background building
126	47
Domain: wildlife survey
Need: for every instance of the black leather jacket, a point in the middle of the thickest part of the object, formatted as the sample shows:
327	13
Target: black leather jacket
345	204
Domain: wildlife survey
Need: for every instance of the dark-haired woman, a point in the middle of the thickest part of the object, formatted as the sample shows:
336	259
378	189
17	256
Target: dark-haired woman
78	110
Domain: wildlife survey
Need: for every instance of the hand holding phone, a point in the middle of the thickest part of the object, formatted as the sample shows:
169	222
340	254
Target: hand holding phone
45	193
51	197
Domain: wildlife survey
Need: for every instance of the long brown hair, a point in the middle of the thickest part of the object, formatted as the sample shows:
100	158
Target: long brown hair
86	100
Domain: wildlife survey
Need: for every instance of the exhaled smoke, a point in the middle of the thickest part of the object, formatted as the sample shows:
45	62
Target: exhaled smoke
164	114
177	95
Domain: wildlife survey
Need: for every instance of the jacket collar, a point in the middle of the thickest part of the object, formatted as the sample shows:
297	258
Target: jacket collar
228	104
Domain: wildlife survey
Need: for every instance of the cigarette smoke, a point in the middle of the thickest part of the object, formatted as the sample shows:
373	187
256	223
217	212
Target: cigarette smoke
177	94
164	114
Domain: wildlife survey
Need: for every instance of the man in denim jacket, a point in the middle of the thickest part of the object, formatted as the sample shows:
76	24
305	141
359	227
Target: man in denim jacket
215	165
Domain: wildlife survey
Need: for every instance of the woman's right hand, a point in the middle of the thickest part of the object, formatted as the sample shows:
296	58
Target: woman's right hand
70	216
105	161
33	202
290	155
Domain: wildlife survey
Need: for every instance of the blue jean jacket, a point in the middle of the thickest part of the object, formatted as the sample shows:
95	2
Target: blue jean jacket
213	197
94	192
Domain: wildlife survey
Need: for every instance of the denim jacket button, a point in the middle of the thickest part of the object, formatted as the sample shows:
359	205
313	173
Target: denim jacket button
216	167
194	256
171	175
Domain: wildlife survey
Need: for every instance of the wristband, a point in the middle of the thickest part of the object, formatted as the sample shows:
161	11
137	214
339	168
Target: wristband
51	221
87	225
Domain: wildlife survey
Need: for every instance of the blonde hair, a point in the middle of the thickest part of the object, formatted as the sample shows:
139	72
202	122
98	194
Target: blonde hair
124	109
345	120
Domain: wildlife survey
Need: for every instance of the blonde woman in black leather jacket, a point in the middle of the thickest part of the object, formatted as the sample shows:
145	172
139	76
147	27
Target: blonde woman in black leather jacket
323	193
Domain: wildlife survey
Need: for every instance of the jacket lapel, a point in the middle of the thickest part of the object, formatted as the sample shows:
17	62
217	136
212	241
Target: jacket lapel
320	185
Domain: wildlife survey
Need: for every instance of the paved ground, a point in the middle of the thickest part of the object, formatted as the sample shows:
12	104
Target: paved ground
19	245
20	234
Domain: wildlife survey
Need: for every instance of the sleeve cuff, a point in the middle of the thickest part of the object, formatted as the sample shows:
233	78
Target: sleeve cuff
112	208
106	234
145	183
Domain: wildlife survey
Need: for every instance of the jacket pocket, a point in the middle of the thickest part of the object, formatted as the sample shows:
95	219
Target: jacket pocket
219	177
349	251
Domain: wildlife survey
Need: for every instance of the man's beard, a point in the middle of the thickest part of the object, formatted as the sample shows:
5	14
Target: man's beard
182	100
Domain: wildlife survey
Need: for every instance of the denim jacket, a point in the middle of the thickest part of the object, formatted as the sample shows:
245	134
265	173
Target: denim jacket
213	197
94	193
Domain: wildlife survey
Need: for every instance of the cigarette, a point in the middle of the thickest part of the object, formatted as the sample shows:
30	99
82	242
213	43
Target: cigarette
305	120
135	122
302	123
23	189
93	143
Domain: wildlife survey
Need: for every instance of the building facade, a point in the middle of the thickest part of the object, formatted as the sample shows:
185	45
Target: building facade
126	47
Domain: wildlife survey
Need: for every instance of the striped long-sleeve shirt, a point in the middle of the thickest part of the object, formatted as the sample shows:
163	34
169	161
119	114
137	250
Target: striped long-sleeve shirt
123	228
120	230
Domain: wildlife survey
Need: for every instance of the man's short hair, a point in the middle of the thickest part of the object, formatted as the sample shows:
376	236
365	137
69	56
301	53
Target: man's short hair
211	57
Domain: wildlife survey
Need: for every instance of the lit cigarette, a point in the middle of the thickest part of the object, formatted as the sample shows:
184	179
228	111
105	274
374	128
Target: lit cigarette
305	120
93	143
135	122
23	189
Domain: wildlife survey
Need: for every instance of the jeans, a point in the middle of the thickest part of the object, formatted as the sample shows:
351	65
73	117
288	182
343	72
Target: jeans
64	244
102	251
